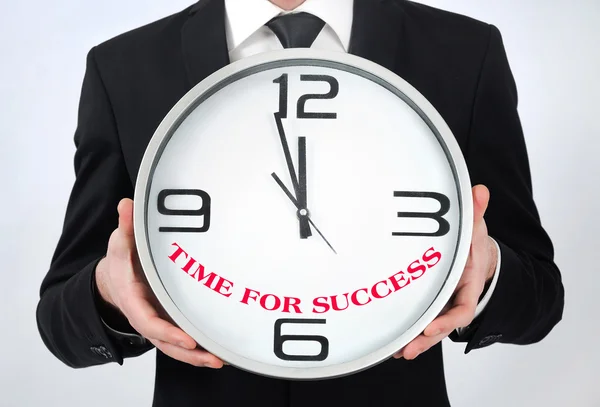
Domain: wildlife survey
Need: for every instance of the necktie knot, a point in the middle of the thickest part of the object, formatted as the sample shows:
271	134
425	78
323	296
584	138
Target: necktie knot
298	30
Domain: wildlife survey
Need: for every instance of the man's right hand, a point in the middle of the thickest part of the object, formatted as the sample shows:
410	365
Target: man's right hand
121	284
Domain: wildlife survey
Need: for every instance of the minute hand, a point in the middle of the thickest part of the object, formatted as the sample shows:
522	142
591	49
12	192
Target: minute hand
300	193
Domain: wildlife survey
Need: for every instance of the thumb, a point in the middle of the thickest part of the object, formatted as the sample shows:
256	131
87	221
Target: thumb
481	198
125	209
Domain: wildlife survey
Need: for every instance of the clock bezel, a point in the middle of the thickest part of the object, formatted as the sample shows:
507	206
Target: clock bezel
303	57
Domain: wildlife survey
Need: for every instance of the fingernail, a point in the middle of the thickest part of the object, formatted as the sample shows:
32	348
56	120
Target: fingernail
182	344
208	365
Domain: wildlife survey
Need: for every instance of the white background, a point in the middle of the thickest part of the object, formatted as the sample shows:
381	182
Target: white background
553	48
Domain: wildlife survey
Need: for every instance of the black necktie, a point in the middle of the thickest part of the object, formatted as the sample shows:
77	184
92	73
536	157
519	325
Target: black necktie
297	30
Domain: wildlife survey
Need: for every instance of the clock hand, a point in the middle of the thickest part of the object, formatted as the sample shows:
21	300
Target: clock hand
320	234
285	190
286	152
302	212
300	209
301	194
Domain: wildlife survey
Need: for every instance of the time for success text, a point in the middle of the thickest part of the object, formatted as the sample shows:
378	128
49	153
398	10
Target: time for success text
319	305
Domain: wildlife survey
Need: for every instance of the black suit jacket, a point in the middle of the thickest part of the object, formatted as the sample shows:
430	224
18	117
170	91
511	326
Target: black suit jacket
133	80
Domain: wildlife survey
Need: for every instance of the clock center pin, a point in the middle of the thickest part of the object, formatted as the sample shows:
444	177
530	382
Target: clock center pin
302	213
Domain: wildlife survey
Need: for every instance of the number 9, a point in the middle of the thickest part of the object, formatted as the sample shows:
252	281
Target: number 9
203	211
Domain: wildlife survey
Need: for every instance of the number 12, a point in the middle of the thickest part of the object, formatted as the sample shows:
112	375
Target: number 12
301	112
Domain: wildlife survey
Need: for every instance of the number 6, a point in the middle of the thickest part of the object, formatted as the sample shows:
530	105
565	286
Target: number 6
279	339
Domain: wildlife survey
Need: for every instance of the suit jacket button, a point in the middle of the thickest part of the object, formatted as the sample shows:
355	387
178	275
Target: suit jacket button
490	339
101	351
105	352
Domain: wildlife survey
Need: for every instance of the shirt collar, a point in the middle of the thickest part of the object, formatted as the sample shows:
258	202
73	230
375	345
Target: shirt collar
244	17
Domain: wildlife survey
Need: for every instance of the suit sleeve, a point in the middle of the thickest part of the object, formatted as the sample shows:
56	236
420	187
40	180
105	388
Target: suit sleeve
529	297
68	314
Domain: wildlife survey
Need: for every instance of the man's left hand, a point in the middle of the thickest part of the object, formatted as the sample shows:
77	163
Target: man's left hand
480	268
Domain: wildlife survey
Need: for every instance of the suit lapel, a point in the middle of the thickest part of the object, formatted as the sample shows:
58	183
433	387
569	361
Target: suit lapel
376	29
204	40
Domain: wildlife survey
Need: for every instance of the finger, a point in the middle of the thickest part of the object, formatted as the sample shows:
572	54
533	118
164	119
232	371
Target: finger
125	209
460	315
195	357
434	327
144	318
481	198
419	345
457	317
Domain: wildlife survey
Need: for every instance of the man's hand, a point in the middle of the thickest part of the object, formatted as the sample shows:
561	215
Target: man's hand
480	268
122	284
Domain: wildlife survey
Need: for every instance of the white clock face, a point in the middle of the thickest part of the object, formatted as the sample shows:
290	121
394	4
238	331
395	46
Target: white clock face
302	218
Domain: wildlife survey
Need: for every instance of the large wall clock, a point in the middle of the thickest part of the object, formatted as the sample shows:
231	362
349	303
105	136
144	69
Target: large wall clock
303	214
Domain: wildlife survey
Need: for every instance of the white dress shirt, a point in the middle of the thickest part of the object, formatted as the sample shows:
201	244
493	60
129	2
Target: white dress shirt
247	35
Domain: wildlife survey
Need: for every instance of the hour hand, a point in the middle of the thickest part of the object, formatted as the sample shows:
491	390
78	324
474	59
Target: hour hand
297	204
303	214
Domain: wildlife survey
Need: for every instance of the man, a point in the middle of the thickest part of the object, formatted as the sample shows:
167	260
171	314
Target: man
95	305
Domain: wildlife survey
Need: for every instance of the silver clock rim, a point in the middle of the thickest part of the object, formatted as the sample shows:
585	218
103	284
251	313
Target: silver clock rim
417	101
